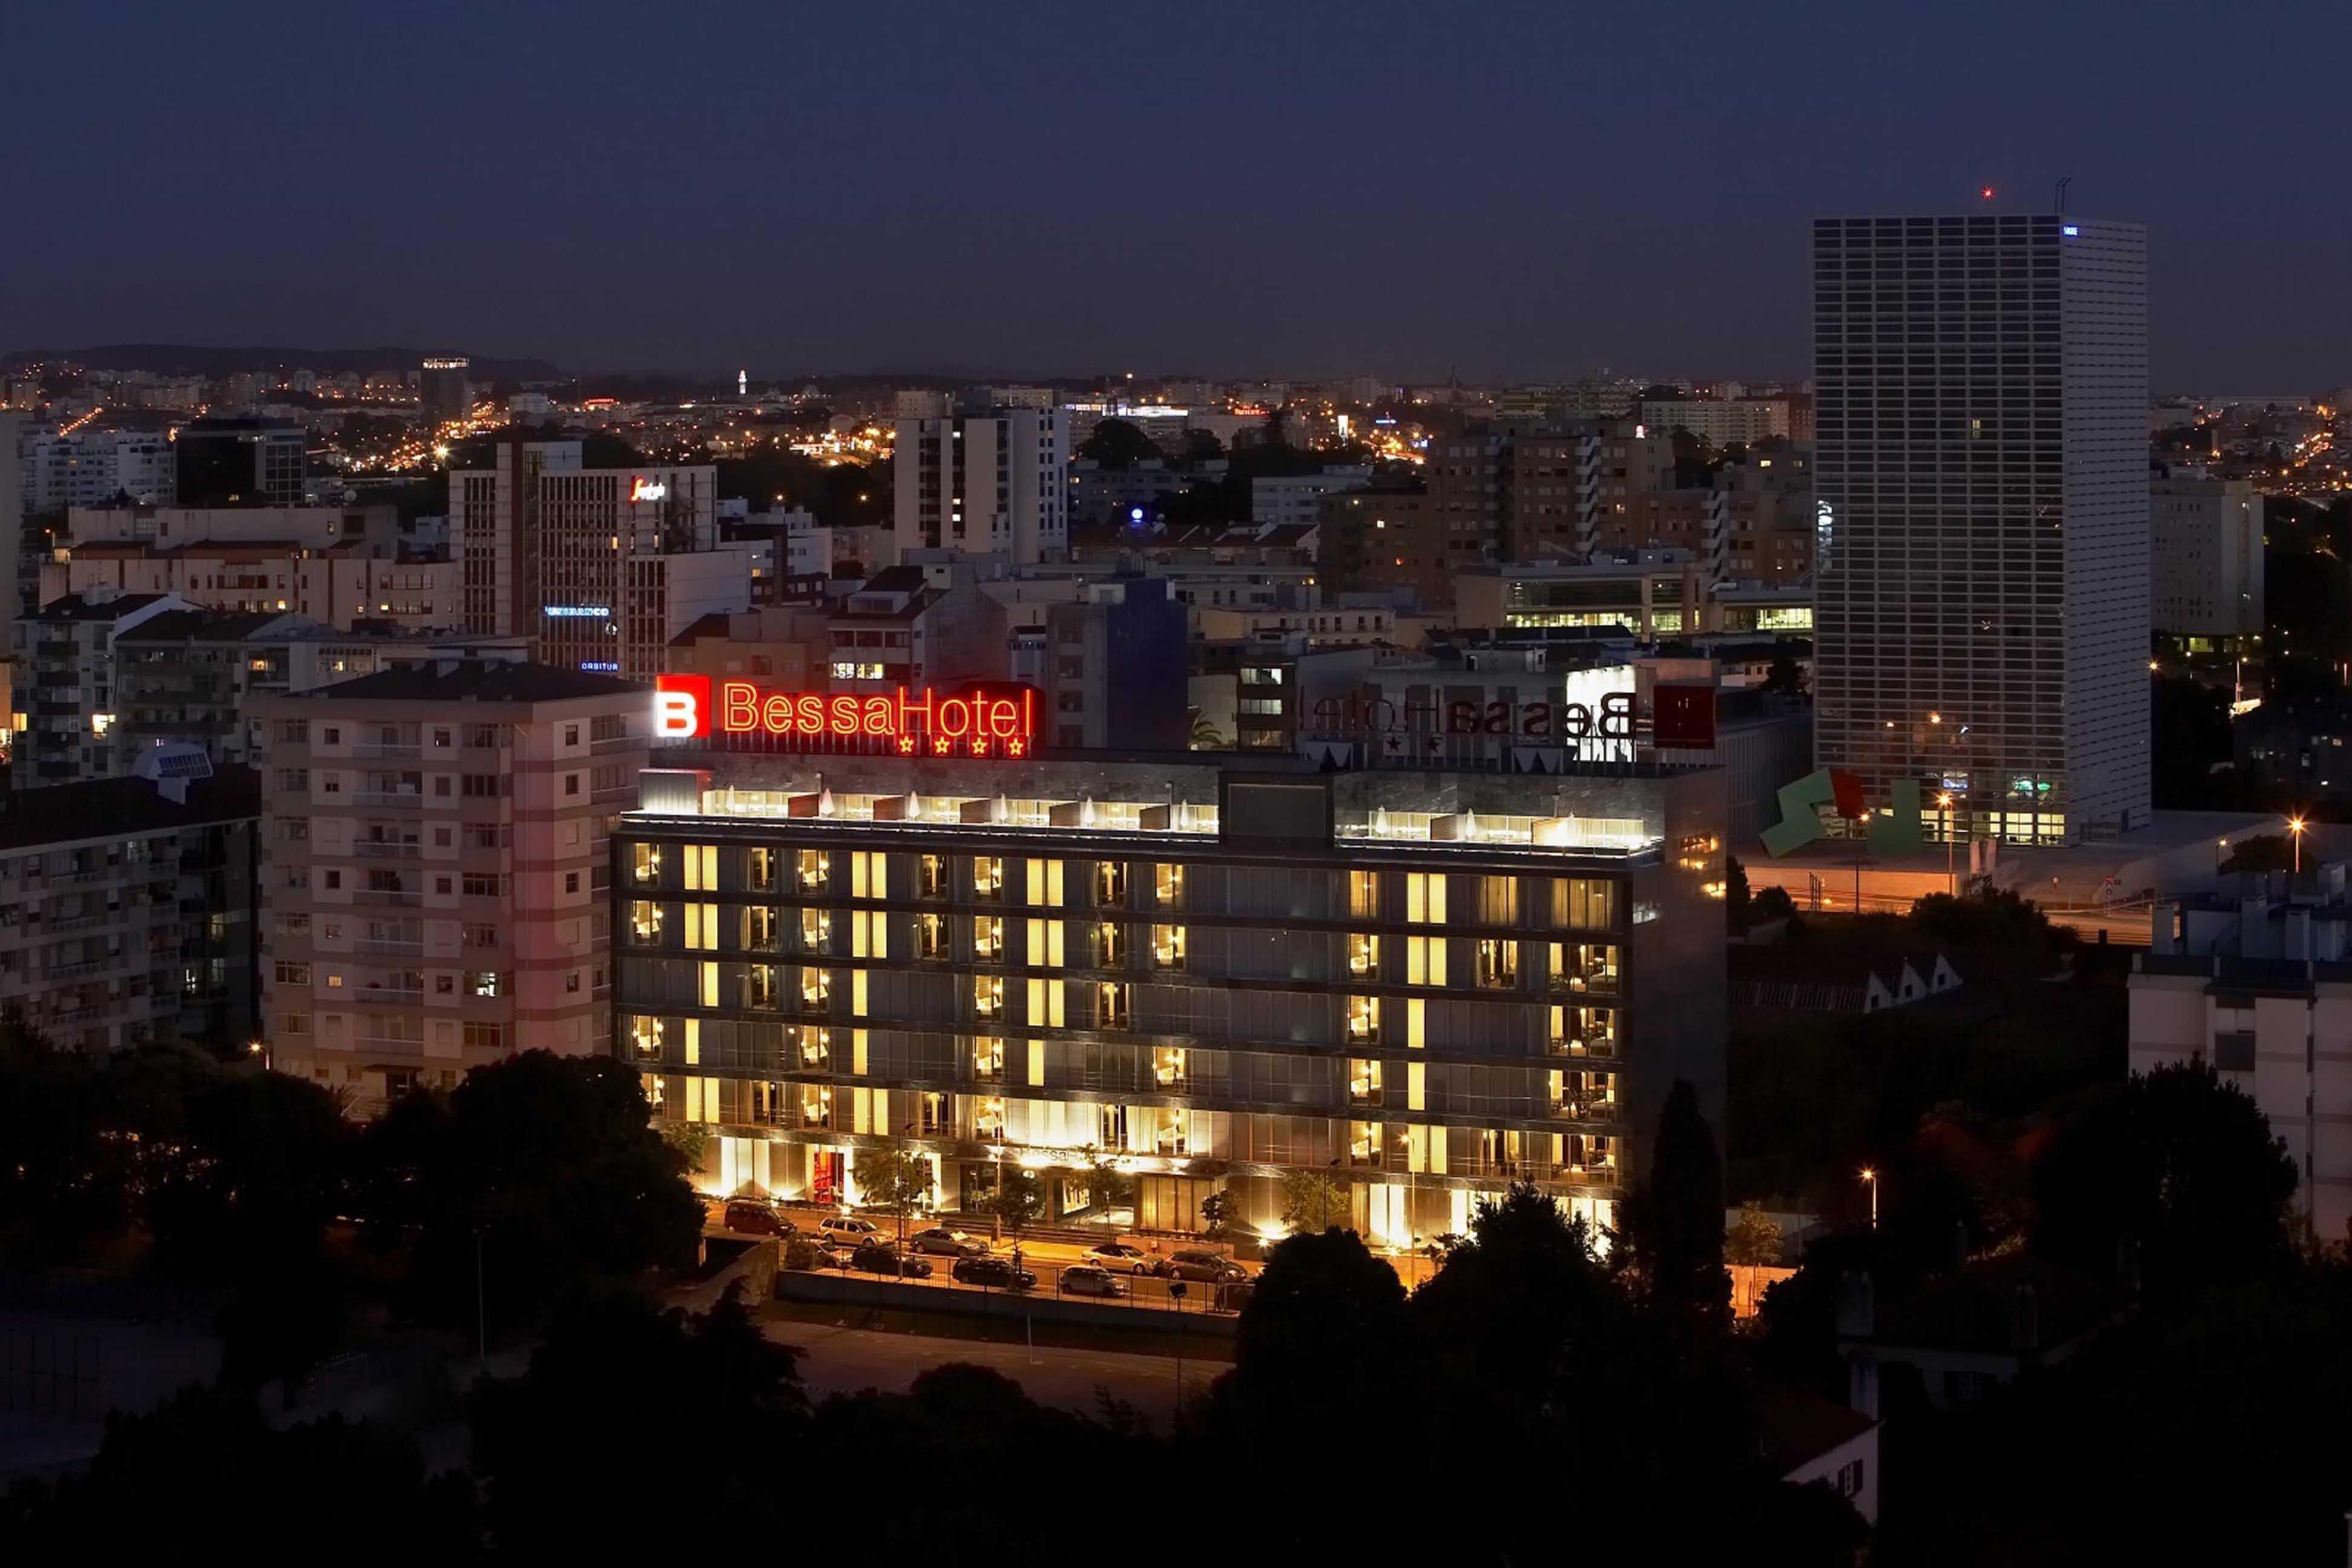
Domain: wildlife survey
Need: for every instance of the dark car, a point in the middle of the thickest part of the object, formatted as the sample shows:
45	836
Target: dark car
1199	1263
753	1217
1090	1280
1233	1295
996	1271
881	1257
952	1243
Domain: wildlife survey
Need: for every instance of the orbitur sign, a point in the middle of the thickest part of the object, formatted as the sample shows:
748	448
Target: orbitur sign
979	721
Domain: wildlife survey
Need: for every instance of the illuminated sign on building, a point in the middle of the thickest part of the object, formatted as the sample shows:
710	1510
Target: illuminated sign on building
1611	718
978	722
648	489
577	612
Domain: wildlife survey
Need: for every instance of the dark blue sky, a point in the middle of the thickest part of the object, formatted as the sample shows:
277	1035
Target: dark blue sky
1523	191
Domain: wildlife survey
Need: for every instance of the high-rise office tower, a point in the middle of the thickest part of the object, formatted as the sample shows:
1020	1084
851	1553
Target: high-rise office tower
442	391
986	478
600	567
1982	517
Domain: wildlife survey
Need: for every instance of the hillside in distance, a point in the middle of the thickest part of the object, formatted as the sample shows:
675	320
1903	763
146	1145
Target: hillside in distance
213	361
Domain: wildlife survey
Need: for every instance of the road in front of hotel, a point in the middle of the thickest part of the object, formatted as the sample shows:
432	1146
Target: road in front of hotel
848	1361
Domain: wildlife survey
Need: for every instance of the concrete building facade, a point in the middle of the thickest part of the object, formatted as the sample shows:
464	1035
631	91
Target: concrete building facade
1982	516
984	479
436	844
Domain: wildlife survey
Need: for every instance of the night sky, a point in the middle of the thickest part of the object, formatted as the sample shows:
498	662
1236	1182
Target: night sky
1505	191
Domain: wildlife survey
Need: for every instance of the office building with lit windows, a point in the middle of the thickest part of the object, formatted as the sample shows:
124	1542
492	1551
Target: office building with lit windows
602	568
1212	970
1981	554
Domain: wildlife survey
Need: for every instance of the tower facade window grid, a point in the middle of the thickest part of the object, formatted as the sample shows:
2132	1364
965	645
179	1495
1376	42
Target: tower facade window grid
1981	512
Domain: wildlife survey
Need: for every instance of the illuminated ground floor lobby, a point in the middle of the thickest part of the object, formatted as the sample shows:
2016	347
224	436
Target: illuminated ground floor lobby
1399	1207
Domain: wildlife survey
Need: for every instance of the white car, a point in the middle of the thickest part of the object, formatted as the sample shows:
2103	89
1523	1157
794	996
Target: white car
1120	1257
849	1230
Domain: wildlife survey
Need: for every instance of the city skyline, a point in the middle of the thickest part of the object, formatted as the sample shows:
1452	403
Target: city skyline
1417	194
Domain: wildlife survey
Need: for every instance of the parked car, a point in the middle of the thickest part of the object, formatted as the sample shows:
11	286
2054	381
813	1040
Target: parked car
1199	1263
1122	1257
952	1243
755	1216
848	1229
1090	1280
1233	1295
881	1257
996	1271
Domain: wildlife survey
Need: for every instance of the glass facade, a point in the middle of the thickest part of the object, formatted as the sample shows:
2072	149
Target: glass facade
1425	1022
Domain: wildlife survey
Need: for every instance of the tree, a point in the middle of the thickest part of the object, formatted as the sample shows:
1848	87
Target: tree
1527	1332
611	1372
1206	736
896	1180
1676	1221
177	1485
1019	1197
692	1142
1311	1200
1737	906
1995	917
2174	1167
1117	444
1754	1237
1220	1212
1202	446
1784	677
543	1172
1325	1347
2264	852
1773	904
1108	1185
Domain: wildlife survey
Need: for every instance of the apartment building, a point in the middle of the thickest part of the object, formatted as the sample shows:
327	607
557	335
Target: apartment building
126	908
985	479
1719	422
1424	985
63	690
433	895
91	467
1295	501
182	678
341	587
2205	575
2256	982
1113	669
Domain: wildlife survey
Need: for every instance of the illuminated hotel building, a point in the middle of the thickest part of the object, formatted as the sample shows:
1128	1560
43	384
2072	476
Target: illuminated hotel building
1421	983
603	568
1982	516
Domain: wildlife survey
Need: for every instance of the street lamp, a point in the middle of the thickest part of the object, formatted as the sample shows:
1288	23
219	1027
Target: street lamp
1871	1177
1952	877
2294	833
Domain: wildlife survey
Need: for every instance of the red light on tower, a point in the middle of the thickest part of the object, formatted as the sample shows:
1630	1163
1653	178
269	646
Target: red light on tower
1986	193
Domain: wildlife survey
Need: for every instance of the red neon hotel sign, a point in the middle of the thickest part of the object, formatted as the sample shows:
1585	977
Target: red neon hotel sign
972	724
